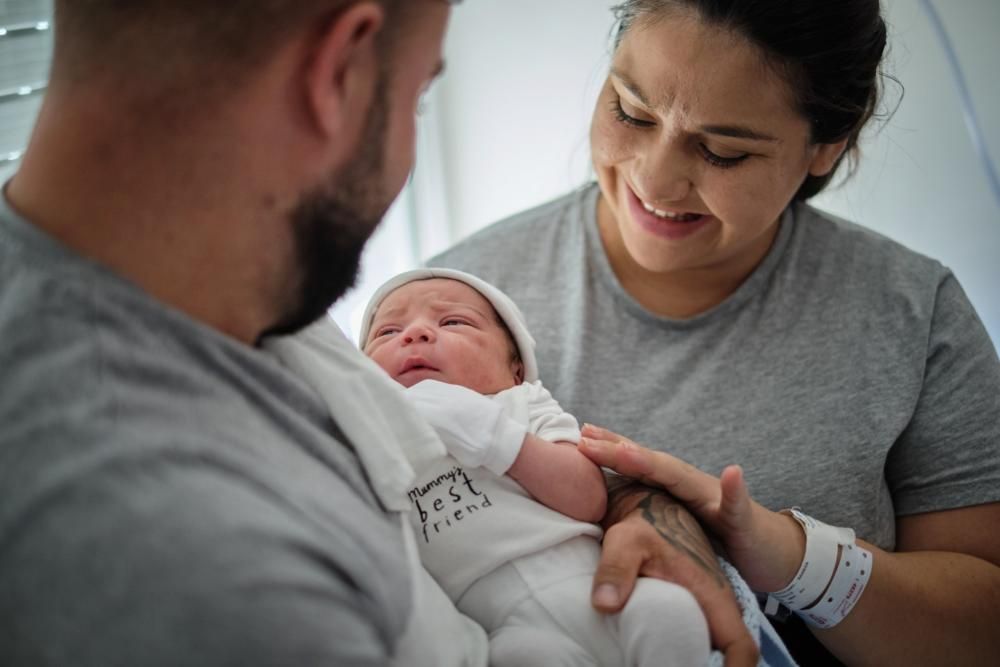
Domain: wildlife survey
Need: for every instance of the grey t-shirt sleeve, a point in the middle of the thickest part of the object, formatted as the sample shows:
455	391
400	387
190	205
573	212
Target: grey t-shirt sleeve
950	450
181	565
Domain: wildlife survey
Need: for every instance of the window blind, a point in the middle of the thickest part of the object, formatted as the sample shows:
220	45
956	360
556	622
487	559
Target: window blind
25	54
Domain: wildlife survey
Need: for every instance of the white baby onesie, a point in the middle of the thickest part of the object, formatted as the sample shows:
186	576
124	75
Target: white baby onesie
468	521
524	571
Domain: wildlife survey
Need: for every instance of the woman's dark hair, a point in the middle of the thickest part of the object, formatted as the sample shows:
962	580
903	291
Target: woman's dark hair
828	51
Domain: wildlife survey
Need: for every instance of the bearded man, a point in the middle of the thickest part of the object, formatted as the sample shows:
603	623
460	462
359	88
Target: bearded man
203	174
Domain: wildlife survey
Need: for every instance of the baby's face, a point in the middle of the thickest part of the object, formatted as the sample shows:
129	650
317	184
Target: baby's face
442	329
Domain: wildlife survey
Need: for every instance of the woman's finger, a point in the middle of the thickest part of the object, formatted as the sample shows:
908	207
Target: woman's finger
682	480
621	455
595	432
735	503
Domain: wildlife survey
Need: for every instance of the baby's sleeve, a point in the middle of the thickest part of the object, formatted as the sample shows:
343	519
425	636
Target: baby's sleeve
546	418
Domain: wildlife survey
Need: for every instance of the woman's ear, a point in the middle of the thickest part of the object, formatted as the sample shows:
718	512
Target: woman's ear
343	70
826	158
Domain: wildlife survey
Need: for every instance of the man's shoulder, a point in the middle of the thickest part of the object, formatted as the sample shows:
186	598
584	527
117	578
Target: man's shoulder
54	305
111	397
50	349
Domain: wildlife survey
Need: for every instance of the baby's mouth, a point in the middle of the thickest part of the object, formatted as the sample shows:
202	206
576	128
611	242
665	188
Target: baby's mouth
414	364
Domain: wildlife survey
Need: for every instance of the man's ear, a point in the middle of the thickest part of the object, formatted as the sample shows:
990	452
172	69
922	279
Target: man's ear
826	158
344	69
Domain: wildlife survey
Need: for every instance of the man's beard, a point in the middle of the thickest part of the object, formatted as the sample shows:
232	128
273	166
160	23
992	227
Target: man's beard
332	223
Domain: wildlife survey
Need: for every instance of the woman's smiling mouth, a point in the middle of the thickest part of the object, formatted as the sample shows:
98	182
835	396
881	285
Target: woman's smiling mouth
673	225
672	215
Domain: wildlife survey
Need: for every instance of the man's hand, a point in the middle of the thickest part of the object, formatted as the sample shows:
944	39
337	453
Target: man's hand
649	534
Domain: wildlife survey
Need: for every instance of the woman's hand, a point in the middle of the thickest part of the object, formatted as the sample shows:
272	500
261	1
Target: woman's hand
933	602
766	547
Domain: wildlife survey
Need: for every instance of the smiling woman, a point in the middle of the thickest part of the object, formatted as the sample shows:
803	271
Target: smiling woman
695	172
693	301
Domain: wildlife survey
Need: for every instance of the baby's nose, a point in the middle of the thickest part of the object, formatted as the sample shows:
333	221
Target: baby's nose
418	333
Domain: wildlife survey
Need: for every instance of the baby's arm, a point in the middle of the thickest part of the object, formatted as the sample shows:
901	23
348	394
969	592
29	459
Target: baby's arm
479	432
557	475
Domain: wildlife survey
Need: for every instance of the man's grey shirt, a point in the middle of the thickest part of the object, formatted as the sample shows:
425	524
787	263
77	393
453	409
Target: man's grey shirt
169	496
847	374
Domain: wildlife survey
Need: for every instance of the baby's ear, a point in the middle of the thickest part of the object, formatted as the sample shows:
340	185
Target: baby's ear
518	369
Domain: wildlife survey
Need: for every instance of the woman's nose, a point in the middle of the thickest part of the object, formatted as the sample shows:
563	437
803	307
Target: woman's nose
665	174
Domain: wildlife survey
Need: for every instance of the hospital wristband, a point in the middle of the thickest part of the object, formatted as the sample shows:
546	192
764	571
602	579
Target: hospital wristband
819	562
849	582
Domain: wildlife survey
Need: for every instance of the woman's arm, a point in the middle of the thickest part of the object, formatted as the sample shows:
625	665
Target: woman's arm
557	475
936	600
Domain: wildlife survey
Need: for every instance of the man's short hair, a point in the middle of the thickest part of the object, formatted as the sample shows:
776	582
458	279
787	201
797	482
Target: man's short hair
202	41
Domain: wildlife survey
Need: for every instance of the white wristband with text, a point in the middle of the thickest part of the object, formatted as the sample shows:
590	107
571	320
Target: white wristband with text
818	563
849	582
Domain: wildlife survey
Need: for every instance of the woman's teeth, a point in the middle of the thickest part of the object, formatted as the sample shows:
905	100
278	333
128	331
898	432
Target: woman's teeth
666	215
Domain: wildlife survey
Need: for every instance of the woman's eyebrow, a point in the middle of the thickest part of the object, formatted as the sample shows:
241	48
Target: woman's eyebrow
738	132
631	87
735	131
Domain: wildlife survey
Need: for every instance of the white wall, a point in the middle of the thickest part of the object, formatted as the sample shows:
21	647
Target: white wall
522	75
505	128
921	181
516	101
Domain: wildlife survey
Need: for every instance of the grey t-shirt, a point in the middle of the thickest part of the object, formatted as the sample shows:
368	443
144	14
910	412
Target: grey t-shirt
848	375
168	496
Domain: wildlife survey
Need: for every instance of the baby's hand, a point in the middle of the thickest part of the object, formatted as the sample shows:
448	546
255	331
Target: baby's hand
475	429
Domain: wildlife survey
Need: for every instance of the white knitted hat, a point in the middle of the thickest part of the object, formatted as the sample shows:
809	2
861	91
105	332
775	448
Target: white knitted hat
502	303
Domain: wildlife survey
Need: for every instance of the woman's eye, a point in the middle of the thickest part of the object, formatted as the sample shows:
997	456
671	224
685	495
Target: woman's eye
720	161
708	155
623	117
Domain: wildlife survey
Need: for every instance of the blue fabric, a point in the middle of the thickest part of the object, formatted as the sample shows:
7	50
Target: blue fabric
772	650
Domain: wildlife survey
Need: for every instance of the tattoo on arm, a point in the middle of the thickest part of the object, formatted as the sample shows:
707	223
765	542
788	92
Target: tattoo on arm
676	526
619	487
668	517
